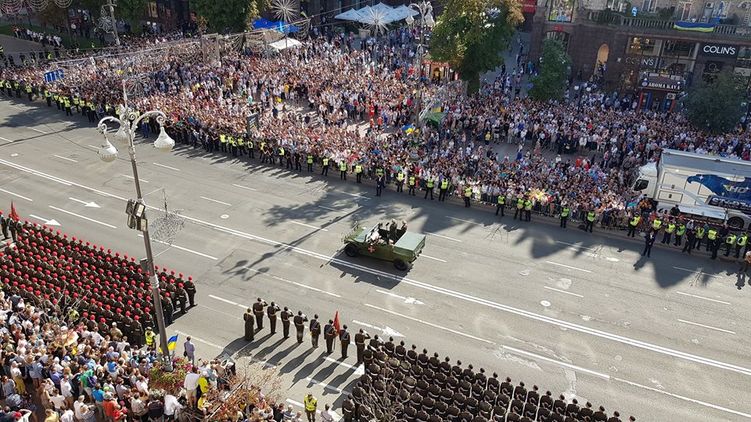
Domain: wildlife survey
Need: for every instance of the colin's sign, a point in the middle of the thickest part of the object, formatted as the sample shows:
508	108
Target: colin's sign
719	50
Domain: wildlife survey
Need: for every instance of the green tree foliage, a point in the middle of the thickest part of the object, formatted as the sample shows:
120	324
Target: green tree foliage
717	105
550	82
471	35
228	15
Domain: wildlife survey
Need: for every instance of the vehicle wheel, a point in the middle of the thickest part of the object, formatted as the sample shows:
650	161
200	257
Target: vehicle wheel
351	250
400	265
735	222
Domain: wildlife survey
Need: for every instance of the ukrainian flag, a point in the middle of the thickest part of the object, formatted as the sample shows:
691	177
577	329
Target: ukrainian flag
694	26
172	343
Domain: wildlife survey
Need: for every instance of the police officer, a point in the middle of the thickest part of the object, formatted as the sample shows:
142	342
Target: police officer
712	243
700	231
271	312
443	190
740	242
501	204
258	312
150	335
668	232
589	224
690	241
325	166
360	339
400	181
411	183
519	208
429	188
358	172
343	170
315	331
528	208
345	340
729	243
285	315
300	320
249	329
649	241
633	224
679	233
309	161
329	334
380	184
467	195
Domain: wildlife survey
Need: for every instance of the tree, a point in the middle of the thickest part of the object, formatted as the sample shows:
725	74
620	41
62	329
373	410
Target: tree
131	11
550	82
471	35
228	15
716	105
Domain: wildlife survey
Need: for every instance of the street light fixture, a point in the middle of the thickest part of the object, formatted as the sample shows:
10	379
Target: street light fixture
128	122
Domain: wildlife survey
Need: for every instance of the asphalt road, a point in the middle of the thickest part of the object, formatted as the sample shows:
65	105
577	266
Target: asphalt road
574	313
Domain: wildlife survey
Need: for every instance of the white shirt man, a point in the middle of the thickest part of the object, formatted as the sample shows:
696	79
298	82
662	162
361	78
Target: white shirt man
171	405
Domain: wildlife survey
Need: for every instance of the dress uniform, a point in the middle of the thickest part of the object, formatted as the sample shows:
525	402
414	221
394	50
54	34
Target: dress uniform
501	204
345	340
315	331
285	315
258	312
632	225
329	334
190	290
4	222
249	329
300	320
360	339
271	311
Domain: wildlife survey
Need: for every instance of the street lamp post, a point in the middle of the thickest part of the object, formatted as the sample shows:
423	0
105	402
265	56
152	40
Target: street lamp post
128	122
425	9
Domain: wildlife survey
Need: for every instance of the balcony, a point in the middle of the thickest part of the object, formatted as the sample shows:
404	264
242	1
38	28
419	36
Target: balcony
608	17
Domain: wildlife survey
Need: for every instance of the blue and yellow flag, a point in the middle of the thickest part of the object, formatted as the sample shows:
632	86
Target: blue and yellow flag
172	343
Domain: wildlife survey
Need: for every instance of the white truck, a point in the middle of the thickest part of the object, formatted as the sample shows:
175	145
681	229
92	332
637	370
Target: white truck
704	186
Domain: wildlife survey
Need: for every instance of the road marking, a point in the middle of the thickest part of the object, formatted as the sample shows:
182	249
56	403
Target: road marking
433	258
567	266
443	237
217	310
706	326
562	291
575	245
83	217
200	340
90	204
221	299
215	200
242	187
167	167
5	139
430	324
64	158
16	195
94	147
183	249
387	331
704	298
304	286
409	300
356	195
132	178
696	272
38	130
346	365
47	222
326	386
425	286
308	226
556	362
466	221
326	208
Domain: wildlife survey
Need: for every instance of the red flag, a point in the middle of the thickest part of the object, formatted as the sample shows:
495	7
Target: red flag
337	324
13	214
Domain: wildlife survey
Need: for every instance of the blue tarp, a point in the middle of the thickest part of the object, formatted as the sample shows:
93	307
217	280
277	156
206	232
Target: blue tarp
280	26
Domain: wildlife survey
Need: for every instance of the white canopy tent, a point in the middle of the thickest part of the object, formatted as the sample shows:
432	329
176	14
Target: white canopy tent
379	14
285	43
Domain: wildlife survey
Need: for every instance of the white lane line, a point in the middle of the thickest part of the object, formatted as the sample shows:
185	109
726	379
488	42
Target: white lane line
64	158
167	167
429	324
409	300
308	226
556	362
706	326
93	147
132	178
326	386
562	291
83	217
242	187
221	299
465	221
5	139
200	340
568	266
304	286
216	200
443	237
425	286
575	245
217	310
695	271
326	208
704	298
16	195
38	130
684	398
346	365
356	195
433	258
183	249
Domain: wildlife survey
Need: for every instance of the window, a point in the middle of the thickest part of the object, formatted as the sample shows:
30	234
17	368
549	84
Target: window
685	10
648	5
678	48
152	11
639	45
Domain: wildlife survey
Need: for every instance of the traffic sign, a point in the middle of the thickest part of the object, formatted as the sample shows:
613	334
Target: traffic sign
54	75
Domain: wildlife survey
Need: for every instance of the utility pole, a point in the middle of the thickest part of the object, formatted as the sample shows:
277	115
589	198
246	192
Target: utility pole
111	7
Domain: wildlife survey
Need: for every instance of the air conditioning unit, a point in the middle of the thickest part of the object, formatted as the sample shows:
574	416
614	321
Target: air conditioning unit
744	5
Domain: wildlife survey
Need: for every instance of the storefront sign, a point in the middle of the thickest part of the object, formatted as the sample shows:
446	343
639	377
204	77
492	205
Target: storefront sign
644	61
719	50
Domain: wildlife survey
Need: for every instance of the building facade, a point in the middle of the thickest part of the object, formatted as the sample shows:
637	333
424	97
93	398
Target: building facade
656	49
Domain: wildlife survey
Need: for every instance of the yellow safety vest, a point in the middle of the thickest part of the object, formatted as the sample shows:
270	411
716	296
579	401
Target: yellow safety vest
700	233
591	216
358	169
411	180
656	224
223	138
325	162
444	184
501	199
150	337
635	221
467	192
342	166
742	239
281	151
712	234
527	205
310	159
670	228
310	404
520	203
681	230
430	183
565	212
730	239
400	176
